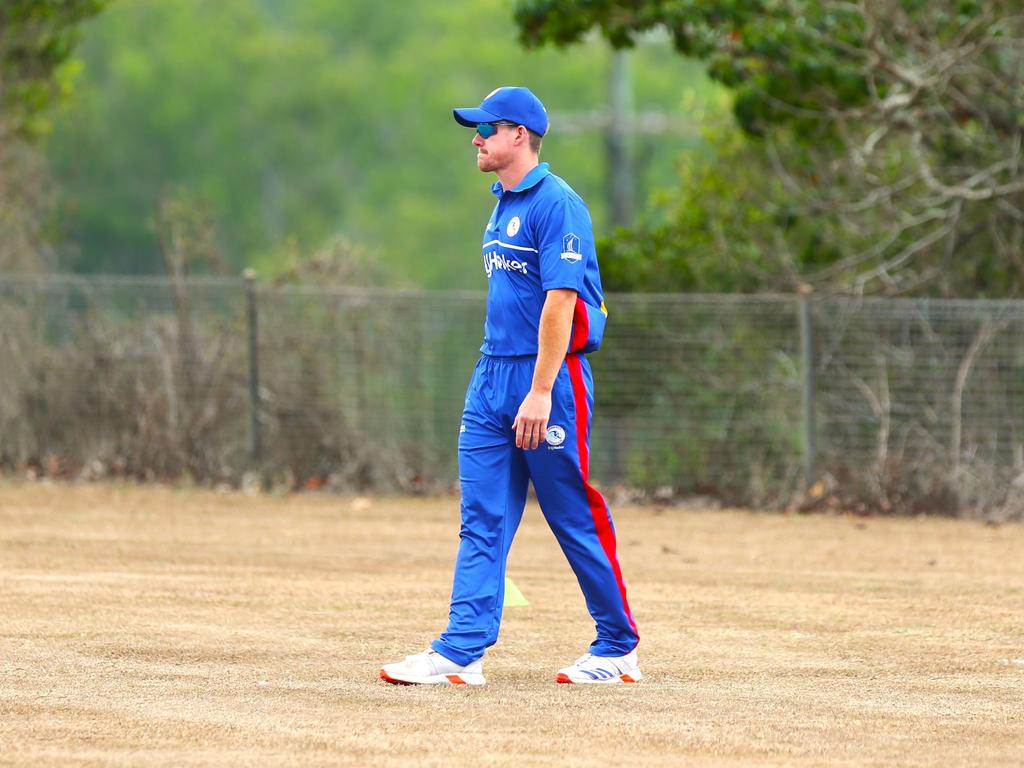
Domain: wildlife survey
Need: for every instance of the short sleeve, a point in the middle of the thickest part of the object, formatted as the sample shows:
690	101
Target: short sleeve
565	240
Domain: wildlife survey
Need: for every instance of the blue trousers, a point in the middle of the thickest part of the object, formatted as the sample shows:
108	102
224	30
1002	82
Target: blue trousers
494	476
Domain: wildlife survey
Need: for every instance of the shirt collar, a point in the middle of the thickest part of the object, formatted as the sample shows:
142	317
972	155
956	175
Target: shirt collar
531	179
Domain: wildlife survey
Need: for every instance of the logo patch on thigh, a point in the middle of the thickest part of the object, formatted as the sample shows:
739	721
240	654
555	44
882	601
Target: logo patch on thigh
555	436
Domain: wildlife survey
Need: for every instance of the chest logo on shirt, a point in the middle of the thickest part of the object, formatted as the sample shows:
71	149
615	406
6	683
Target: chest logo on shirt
571	248
494	260
513	226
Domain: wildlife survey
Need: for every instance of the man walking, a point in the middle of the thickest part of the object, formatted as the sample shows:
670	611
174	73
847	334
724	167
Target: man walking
528	408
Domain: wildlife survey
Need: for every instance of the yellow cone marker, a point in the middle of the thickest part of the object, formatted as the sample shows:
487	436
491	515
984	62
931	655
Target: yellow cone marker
512	594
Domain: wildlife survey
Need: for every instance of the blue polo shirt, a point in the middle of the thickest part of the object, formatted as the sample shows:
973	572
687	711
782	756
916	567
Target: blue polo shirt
539	237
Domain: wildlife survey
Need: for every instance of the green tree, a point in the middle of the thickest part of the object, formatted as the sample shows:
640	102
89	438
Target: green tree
895	128
298	123
37	38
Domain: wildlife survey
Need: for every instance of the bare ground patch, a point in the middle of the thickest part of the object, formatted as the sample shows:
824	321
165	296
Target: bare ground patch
163	627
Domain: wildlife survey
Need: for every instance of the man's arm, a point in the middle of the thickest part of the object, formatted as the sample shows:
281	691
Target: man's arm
531	422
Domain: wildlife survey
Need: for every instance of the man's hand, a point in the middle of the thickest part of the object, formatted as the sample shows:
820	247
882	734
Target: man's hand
531	424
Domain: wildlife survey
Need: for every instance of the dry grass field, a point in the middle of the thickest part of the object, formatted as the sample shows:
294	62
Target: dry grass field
163	627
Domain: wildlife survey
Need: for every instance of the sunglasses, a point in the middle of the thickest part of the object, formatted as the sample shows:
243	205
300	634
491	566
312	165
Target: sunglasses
486	130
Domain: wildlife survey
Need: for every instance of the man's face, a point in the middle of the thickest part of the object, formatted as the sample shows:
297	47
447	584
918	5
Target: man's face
496	151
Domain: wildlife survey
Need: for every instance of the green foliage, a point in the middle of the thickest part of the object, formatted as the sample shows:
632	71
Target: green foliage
300	122
784	60
729	225
883	152
773	54
37	38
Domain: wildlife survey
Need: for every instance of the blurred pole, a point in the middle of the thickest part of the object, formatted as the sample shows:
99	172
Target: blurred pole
428	377
807	375
359	369
255	447
618	140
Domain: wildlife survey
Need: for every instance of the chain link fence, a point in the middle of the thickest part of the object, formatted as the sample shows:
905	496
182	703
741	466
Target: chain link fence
896	405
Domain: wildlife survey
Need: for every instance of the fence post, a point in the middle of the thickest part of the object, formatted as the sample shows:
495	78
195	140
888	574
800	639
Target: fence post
807	377
255	447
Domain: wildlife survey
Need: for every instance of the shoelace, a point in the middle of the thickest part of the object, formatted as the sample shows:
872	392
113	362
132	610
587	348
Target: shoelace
604	665
425	655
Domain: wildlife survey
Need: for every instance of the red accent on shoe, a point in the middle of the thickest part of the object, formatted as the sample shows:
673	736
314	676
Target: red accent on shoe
563	678
388	679
626	679
455	680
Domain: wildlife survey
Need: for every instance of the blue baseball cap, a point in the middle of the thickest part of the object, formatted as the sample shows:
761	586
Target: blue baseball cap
515	104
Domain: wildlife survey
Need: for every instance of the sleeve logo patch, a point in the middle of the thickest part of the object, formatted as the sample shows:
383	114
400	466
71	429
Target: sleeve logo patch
571	248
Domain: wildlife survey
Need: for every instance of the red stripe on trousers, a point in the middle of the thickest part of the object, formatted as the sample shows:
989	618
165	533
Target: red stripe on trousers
598	507
580	326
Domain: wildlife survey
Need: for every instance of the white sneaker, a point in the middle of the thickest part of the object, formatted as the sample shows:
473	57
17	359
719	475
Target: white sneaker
431	668
589	668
